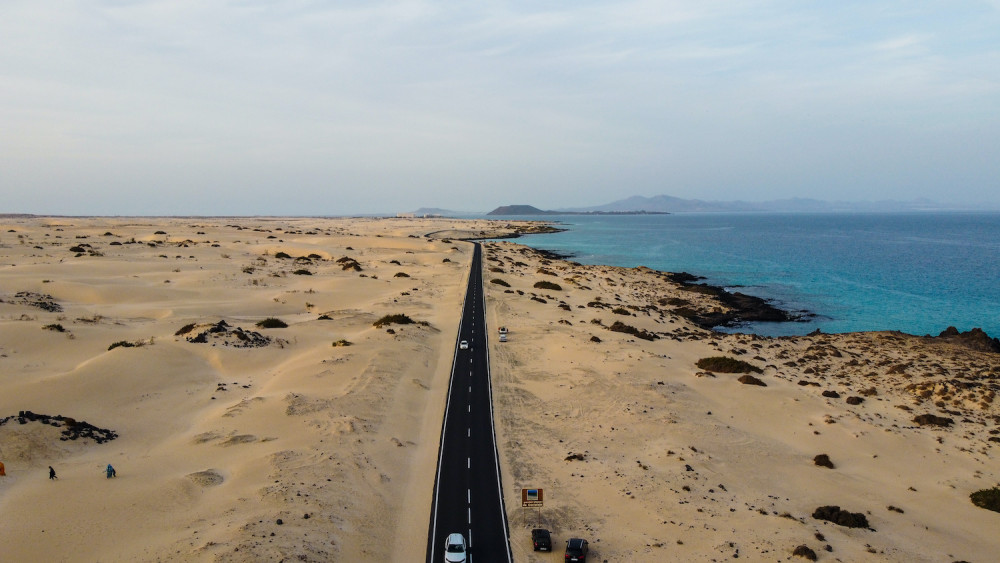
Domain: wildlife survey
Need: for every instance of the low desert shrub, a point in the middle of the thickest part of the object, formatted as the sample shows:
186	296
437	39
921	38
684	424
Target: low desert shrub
302	272
933	420
282	255
804	551
341	343
184	329
544	284
272	322
621	311
398	319
55	327
500	282
349	264
987	498
723	364
619	326
401	275
823	460
841	517
748	379
125	344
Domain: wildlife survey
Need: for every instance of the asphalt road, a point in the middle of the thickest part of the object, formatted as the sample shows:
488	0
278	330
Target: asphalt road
467	492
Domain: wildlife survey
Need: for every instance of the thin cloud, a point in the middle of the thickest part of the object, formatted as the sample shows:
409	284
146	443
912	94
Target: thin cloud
352	105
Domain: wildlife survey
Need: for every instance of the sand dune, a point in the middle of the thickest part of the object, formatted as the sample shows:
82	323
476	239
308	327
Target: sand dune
220	440
318	441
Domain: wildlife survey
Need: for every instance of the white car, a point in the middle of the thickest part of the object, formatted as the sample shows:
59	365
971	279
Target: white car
455	549
463	345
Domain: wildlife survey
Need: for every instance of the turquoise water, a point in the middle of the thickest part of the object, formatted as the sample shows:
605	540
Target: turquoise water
914	272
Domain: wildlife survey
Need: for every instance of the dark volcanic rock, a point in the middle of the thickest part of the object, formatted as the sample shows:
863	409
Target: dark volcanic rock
933	420
841	517
42	301
975	339
742	308
823	460
683	278
235	337
74	429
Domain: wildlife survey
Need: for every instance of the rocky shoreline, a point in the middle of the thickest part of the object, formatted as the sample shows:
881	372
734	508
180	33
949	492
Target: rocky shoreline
742	308
739	307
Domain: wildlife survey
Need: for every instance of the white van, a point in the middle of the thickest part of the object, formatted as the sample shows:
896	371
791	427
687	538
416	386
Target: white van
503	337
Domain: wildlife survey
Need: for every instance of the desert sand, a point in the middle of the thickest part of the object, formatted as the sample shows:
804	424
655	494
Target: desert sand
652	458
317	441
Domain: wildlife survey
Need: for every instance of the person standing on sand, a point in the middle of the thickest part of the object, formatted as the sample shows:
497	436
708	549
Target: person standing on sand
111	471
52	473
3	472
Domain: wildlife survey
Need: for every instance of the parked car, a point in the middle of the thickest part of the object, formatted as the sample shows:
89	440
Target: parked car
541	539
503	330
503	337
463	345
576	549
455	549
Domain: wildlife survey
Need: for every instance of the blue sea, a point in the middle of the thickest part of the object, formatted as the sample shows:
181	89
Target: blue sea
914	272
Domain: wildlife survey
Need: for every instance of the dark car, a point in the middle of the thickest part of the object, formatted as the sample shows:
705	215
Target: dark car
541	540
576	549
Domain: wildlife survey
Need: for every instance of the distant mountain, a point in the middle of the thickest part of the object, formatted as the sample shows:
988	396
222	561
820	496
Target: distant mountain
669	204
531	210
638	205
519	210
437	211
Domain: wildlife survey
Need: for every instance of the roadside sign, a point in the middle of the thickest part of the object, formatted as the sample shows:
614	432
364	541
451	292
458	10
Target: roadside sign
531	498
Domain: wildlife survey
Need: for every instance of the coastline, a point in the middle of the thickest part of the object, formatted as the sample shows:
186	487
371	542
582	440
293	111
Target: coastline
918	273
649	455
331	424
921	289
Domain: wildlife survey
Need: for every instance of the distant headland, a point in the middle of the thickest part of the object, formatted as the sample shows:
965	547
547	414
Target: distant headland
532	210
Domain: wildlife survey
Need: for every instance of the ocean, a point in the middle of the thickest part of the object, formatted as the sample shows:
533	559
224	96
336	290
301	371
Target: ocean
914	272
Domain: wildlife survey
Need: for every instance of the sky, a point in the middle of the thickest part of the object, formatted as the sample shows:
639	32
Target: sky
312	107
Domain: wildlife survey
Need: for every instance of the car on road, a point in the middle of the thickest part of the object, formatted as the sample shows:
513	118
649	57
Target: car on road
503	337
463	345
503	330
576	549
541	539
455	549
